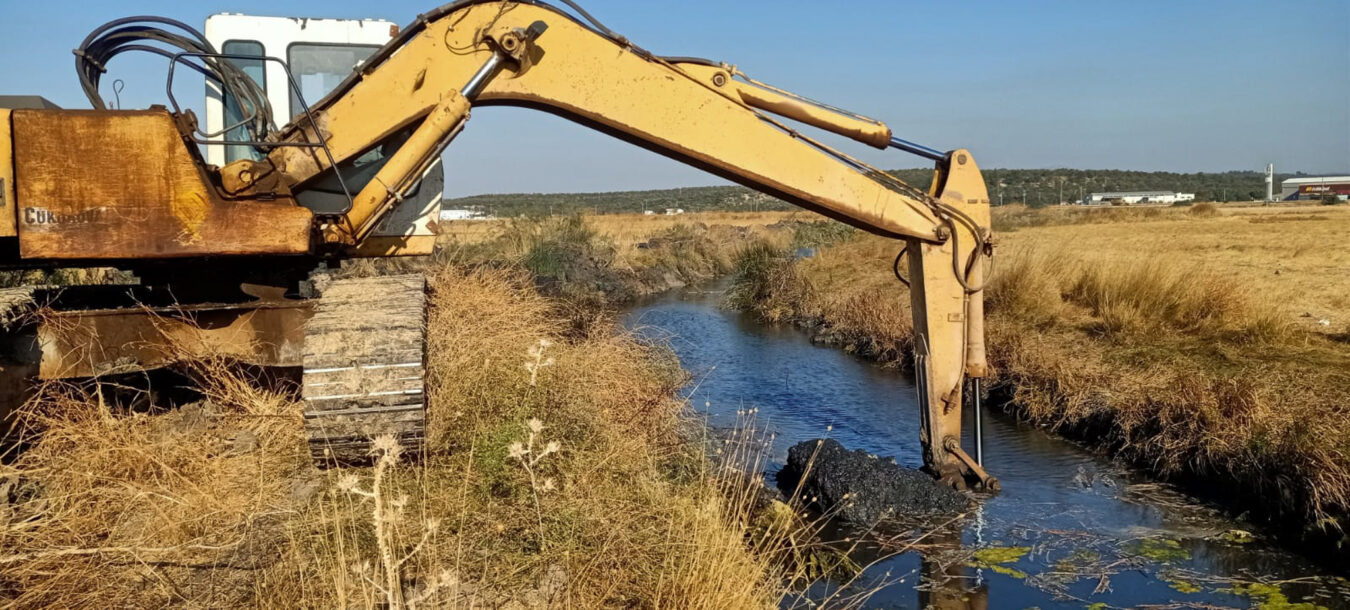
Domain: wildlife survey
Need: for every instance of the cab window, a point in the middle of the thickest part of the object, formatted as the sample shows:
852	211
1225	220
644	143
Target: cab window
233	114
318	68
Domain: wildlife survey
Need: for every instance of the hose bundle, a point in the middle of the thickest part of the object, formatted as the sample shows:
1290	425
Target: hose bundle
144	34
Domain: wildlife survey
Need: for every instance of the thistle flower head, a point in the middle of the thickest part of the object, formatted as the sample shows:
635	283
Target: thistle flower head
534	425
386	445
516	450
347	482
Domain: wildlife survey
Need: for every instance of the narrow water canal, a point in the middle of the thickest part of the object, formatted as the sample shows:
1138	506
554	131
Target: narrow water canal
1070	529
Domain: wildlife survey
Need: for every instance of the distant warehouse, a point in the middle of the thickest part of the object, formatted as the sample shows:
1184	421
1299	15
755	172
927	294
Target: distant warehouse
1315	187
1133	197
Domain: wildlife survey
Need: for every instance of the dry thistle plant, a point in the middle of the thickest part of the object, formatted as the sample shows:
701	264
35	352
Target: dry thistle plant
529	458
386	514
537	361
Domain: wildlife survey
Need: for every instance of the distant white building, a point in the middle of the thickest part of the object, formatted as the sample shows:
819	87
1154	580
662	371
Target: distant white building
1314	187
463	214
674	211
1136	197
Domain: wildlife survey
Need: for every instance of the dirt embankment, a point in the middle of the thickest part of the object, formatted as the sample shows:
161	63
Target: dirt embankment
1207	349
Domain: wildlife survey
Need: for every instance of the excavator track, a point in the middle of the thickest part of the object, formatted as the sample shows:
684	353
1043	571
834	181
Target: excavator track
364	367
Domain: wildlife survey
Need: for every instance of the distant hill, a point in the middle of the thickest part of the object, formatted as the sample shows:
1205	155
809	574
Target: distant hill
1037	186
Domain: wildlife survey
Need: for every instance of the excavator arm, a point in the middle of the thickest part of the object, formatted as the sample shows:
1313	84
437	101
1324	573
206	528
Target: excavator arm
421	88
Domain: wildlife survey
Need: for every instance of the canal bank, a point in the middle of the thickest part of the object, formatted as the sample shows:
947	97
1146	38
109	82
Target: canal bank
1071	528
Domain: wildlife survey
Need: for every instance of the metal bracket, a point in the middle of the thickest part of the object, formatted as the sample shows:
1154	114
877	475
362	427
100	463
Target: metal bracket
294	88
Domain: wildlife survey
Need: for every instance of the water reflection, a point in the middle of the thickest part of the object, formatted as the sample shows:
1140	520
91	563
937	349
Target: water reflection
950	585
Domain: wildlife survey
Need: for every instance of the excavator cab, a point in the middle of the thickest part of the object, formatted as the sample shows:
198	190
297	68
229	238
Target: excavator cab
316	55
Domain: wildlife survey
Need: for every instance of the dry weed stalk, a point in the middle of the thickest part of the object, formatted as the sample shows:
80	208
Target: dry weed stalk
537	360
529	459
386	513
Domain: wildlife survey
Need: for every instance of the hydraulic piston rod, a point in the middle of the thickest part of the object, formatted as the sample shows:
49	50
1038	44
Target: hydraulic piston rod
918	149
979	423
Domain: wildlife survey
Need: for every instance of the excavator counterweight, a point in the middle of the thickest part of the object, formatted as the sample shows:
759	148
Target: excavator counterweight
133	189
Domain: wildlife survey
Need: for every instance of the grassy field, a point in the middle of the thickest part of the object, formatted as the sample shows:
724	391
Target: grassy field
1292	256
1203	343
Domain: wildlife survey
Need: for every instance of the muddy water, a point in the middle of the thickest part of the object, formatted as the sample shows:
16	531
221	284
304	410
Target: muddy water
1070	529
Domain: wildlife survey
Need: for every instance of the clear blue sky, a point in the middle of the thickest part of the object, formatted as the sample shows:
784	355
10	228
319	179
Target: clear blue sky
1149	85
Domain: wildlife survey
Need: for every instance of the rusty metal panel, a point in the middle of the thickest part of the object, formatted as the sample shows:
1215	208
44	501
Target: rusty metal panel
90	343
124	185
8	226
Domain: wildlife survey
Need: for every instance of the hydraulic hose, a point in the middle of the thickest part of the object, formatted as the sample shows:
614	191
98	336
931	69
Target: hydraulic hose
142	34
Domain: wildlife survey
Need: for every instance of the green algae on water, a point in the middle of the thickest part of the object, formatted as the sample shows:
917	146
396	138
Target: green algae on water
1180	584
995	558
1269	597
1236	536
1161	550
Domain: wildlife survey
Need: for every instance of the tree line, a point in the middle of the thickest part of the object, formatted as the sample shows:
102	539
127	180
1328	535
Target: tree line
1034	187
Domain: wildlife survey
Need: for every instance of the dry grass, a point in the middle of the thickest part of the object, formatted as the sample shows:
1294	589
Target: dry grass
595	262
625	230
624	236
1293	257
1204	209
216	505
1177	340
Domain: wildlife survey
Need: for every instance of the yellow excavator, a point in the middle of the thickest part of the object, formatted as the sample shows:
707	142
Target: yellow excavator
227	253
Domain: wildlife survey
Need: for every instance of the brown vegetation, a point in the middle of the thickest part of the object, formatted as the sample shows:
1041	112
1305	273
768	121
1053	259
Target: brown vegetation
596	262
1208	347
1204	209
565	484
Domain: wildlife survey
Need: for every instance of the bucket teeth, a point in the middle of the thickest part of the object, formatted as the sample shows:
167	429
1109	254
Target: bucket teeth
364	368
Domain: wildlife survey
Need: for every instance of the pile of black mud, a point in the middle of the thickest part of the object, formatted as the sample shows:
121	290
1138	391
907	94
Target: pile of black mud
861	488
